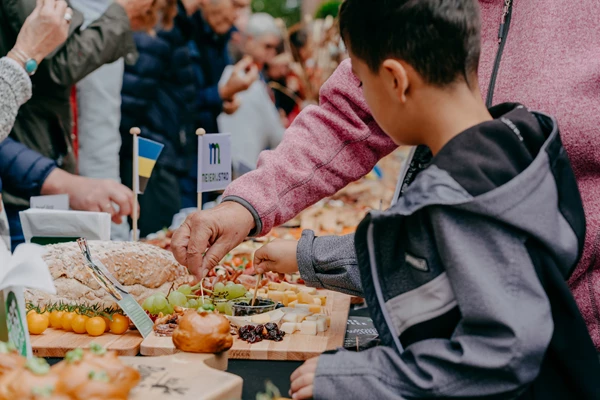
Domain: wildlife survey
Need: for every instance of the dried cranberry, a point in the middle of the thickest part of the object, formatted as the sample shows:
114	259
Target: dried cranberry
271	326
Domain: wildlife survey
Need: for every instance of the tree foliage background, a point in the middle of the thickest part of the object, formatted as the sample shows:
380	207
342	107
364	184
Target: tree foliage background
288	10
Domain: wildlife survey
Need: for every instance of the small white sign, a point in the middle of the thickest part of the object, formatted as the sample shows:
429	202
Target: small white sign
56	202
214	162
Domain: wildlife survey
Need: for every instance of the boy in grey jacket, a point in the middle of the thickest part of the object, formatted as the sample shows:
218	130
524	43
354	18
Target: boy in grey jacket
465	274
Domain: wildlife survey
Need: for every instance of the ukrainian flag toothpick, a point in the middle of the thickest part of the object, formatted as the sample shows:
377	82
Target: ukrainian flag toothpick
145	155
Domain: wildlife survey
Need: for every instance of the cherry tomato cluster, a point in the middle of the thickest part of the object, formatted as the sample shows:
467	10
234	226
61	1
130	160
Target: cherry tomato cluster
76	318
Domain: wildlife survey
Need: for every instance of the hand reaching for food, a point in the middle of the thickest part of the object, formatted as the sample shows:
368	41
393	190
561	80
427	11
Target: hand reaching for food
278	256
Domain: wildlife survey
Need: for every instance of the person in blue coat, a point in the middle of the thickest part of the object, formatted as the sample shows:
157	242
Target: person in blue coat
158	96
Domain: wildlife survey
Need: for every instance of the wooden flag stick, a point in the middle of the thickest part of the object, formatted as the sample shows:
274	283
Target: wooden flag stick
199	132
136	181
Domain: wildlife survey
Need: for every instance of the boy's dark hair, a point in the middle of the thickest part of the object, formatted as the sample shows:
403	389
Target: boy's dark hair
440	39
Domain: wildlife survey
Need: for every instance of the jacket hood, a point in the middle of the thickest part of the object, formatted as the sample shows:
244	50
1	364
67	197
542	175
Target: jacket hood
510	164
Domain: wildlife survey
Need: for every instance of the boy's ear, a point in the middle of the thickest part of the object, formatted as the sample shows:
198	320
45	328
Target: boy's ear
398	78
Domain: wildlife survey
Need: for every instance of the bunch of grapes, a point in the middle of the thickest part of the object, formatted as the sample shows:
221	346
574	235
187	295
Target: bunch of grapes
184	297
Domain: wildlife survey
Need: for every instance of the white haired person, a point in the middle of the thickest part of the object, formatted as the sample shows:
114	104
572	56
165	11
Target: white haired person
256	125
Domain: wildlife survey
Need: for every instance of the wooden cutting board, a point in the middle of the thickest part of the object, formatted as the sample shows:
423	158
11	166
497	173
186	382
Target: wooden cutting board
56	343
296	347
185	376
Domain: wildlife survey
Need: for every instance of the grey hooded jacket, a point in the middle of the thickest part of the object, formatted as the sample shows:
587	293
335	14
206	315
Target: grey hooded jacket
465	275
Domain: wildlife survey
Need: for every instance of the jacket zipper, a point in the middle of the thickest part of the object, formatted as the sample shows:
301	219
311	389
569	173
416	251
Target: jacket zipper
502	36
377	286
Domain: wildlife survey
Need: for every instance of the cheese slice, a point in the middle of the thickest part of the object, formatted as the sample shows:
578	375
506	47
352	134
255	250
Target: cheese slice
291	317
308	328
306	307
309	290
317	301
323	299
293	304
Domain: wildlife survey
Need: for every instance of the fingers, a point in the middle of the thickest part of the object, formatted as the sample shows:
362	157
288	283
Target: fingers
308	366
215	254
48	6
252	74
242	65
61	7
124	198
302	386
179	243
305	393
200	235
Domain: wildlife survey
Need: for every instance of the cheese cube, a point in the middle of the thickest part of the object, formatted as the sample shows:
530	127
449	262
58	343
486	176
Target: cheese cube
286	286
261	292
311	318
317	301
309	290
308	328
278	297
291	295
261	319
293	304
305	307
291	317
273	286
315	309
323	299
326	318
289	327
321	325
305	298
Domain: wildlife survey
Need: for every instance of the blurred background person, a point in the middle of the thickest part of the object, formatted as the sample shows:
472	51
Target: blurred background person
210	55
243	10
44	124
256	125
159	97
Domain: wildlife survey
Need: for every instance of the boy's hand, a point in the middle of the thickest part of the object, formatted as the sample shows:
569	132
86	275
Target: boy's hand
278	256
303	379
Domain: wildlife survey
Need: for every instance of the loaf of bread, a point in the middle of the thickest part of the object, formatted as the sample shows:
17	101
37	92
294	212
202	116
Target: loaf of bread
142	269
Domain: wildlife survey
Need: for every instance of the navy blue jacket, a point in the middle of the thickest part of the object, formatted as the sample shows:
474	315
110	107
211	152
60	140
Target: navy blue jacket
159	94
22	170
210	56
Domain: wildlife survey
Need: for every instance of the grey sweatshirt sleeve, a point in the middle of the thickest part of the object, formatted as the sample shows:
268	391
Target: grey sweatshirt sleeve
15	90
329	262
498	345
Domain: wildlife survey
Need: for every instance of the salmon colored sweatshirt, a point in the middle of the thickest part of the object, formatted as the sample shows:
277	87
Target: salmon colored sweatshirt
550	63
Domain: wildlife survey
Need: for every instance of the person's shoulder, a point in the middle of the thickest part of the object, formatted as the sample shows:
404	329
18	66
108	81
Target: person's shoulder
491	154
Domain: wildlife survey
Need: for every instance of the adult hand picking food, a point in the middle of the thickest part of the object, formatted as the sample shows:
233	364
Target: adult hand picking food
214	232
244	74
303	380
45	29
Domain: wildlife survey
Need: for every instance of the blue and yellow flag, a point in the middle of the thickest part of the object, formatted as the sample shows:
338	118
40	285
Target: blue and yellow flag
148	153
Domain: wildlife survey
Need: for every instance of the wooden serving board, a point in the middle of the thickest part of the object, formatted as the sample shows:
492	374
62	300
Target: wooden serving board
56	343
296	347
185	376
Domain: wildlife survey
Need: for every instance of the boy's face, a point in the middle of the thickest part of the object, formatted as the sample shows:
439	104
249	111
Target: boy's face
384	94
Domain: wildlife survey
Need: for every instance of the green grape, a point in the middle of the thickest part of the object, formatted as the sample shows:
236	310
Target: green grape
236	291
221	306
148	304
168	310
228	309
192	303
219	287
229	284
207	300
185	289
177	299
208	307
160	302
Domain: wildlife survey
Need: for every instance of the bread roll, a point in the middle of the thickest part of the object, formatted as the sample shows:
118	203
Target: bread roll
142	269
203	333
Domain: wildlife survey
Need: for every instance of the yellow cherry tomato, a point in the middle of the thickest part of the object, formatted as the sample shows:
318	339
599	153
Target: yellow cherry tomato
95	326
78	323
56	319
67	320
107	322
37	323
119	324
31	311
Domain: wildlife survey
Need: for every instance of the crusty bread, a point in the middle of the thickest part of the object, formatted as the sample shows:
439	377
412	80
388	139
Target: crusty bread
142	269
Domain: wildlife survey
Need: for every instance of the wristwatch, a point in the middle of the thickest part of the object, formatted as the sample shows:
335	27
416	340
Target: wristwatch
29	64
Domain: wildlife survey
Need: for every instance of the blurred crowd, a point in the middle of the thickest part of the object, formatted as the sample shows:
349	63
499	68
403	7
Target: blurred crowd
90	70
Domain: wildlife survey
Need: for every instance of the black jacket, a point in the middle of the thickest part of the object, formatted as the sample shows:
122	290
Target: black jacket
158	94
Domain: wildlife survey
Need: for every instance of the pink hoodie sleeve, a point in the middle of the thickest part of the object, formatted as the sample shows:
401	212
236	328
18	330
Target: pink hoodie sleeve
326	148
